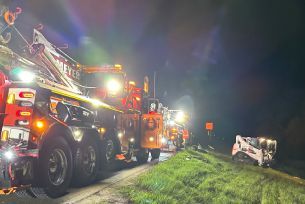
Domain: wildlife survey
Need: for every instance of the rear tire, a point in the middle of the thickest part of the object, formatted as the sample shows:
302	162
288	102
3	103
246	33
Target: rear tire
55	167
87	162
112	148
142	156
155	153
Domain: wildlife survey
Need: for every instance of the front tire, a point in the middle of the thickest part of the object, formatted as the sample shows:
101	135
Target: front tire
55	167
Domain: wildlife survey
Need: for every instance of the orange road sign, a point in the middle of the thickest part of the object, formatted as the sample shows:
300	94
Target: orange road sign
209	126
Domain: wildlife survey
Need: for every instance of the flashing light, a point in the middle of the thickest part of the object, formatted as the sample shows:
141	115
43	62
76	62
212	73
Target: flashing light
23	75
39	124
9	155
120	135
132	83
24	113
102	130
151	139
10	98
26	95
118	66
4	136
131	139
172	137
34	138
180	117
26	76
138	98
113	87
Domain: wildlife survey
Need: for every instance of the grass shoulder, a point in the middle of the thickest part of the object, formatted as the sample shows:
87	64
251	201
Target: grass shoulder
193	177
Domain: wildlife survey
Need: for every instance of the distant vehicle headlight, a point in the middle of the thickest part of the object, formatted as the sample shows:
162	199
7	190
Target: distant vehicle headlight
180	117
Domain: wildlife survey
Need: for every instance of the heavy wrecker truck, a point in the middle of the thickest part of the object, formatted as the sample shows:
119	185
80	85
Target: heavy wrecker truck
52	129
175	128
140	126
49	132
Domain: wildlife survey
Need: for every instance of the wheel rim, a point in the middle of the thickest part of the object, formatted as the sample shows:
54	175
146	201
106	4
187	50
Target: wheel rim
57	167
89	160
109	149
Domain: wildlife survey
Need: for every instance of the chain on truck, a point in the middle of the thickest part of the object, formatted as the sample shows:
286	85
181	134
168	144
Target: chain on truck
56	126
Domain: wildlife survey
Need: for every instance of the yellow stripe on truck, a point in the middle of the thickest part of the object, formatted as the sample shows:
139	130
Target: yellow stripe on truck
94	102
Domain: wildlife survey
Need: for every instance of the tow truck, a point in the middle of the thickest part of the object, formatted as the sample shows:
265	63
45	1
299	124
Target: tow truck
175	128
140	126
55	129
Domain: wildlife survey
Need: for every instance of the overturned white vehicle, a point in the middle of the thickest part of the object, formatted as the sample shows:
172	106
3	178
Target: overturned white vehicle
258	150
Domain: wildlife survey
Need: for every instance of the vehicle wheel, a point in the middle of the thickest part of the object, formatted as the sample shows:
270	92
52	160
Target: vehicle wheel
55	167
175	142
155	153
111	148
142	156
87	161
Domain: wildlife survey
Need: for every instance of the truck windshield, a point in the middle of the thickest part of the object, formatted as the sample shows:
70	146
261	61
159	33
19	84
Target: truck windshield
100	79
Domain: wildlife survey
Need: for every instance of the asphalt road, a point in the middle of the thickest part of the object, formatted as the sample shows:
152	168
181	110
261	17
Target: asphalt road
103	191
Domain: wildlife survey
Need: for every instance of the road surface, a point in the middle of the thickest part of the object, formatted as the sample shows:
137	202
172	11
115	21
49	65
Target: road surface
103	191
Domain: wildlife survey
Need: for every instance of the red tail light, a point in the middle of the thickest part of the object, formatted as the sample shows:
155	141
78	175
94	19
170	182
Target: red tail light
26	95
24	113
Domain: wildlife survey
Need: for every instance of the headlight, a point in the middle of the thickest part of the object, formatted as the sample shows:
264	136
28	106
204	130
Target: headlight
180	117
77	134
9	155
113	87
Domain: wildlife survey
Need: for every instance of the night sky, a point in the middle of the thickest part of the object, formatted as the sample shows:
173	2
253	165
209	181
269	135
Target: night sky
237	63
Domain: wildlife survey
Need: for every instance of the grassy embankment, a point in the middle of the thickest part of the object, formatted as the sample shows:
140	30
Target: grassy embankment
192	177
